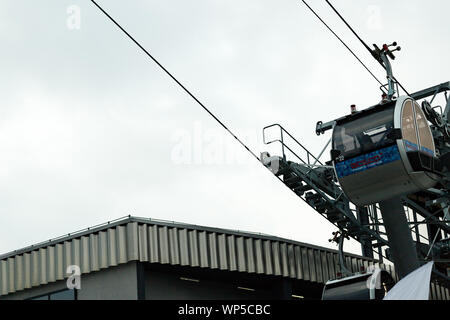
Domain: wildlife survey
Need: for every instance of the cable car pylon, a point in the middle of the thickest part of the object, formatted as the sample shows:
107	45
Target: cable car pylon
386	161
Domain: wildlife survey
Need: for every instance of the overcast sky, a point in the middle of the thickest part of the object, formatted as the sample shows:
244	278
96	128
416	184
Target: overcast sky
92	130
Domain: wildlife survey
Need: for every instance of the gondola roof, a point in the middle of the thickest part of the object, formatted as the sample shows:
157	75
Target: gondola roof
365	112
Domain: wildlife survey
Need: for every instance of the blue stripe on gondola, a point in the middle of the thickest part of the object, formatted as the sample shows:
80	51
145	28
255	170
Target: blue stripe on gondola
426	150
367	161
409	146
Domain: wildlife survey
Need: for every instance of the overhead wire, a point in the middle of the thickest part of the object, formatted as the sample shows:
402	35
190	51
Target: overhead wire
193	96
342	41
176	80
362	41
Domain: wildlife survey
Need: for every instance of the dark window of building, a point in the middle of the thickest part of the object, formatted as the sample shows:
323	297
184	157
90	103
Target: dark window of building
40	298
63	295
58	295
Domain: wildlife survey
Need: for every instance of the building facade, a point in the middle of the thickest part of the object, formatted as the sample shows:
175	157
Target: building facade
138	258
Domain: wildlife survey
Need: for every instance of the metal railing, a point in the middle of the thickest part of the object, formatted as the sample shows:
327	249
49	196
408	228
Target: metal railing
283	132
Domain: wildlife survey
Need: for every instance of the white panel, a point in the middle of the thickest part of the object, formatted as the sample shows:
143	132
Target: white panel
153	243
359	264
112	248
213	254
132	241
68	261
312	265
4	277
203	248
284	260
184	246
35	268
51	271
223	257
324	265
103	249
232	252
433	292
240	252
173	243
1	279
331	268
27	270
19	273
121	244
276	258
143	243
318	263
439	292
193	247
93	253
251	268
366	264
163	245
305	263
11	271
268	257
291	261
59	251
259	256
42	266
76	252
84	255
298	262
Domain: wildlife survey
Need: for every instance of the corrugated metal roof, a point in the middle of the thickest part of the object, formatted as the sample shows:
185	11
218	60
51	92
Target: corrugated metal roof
155	241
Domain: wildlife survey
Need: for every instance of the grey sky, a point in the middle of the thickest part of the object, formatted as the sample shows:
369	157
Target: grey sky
88	125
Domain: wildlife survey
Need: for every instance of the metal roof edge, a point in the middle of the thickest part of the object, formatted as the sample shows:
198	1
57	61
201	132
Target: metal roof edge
170	224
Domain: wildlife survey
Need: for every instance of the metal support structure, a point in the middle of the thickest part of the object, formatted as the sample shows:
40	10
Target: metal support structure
316	183
382	56
366	244
426	214
390	76
316	186
399	236
416	226
322	127
342	263
431	91
377	229
447	110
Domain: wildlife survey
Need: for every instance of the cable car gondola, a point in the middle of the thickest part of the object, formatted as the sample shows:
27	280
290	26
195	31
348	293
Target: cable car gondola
359	287
384	151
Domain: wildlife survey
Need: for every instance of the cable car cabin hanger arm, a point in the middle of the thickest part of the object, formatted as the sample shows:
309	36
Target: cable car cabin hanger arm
375	53
383	55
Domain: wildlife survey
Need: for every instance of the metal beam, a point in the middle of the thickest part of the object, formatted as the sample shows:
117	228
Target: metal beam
423	212
431	91
447	110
